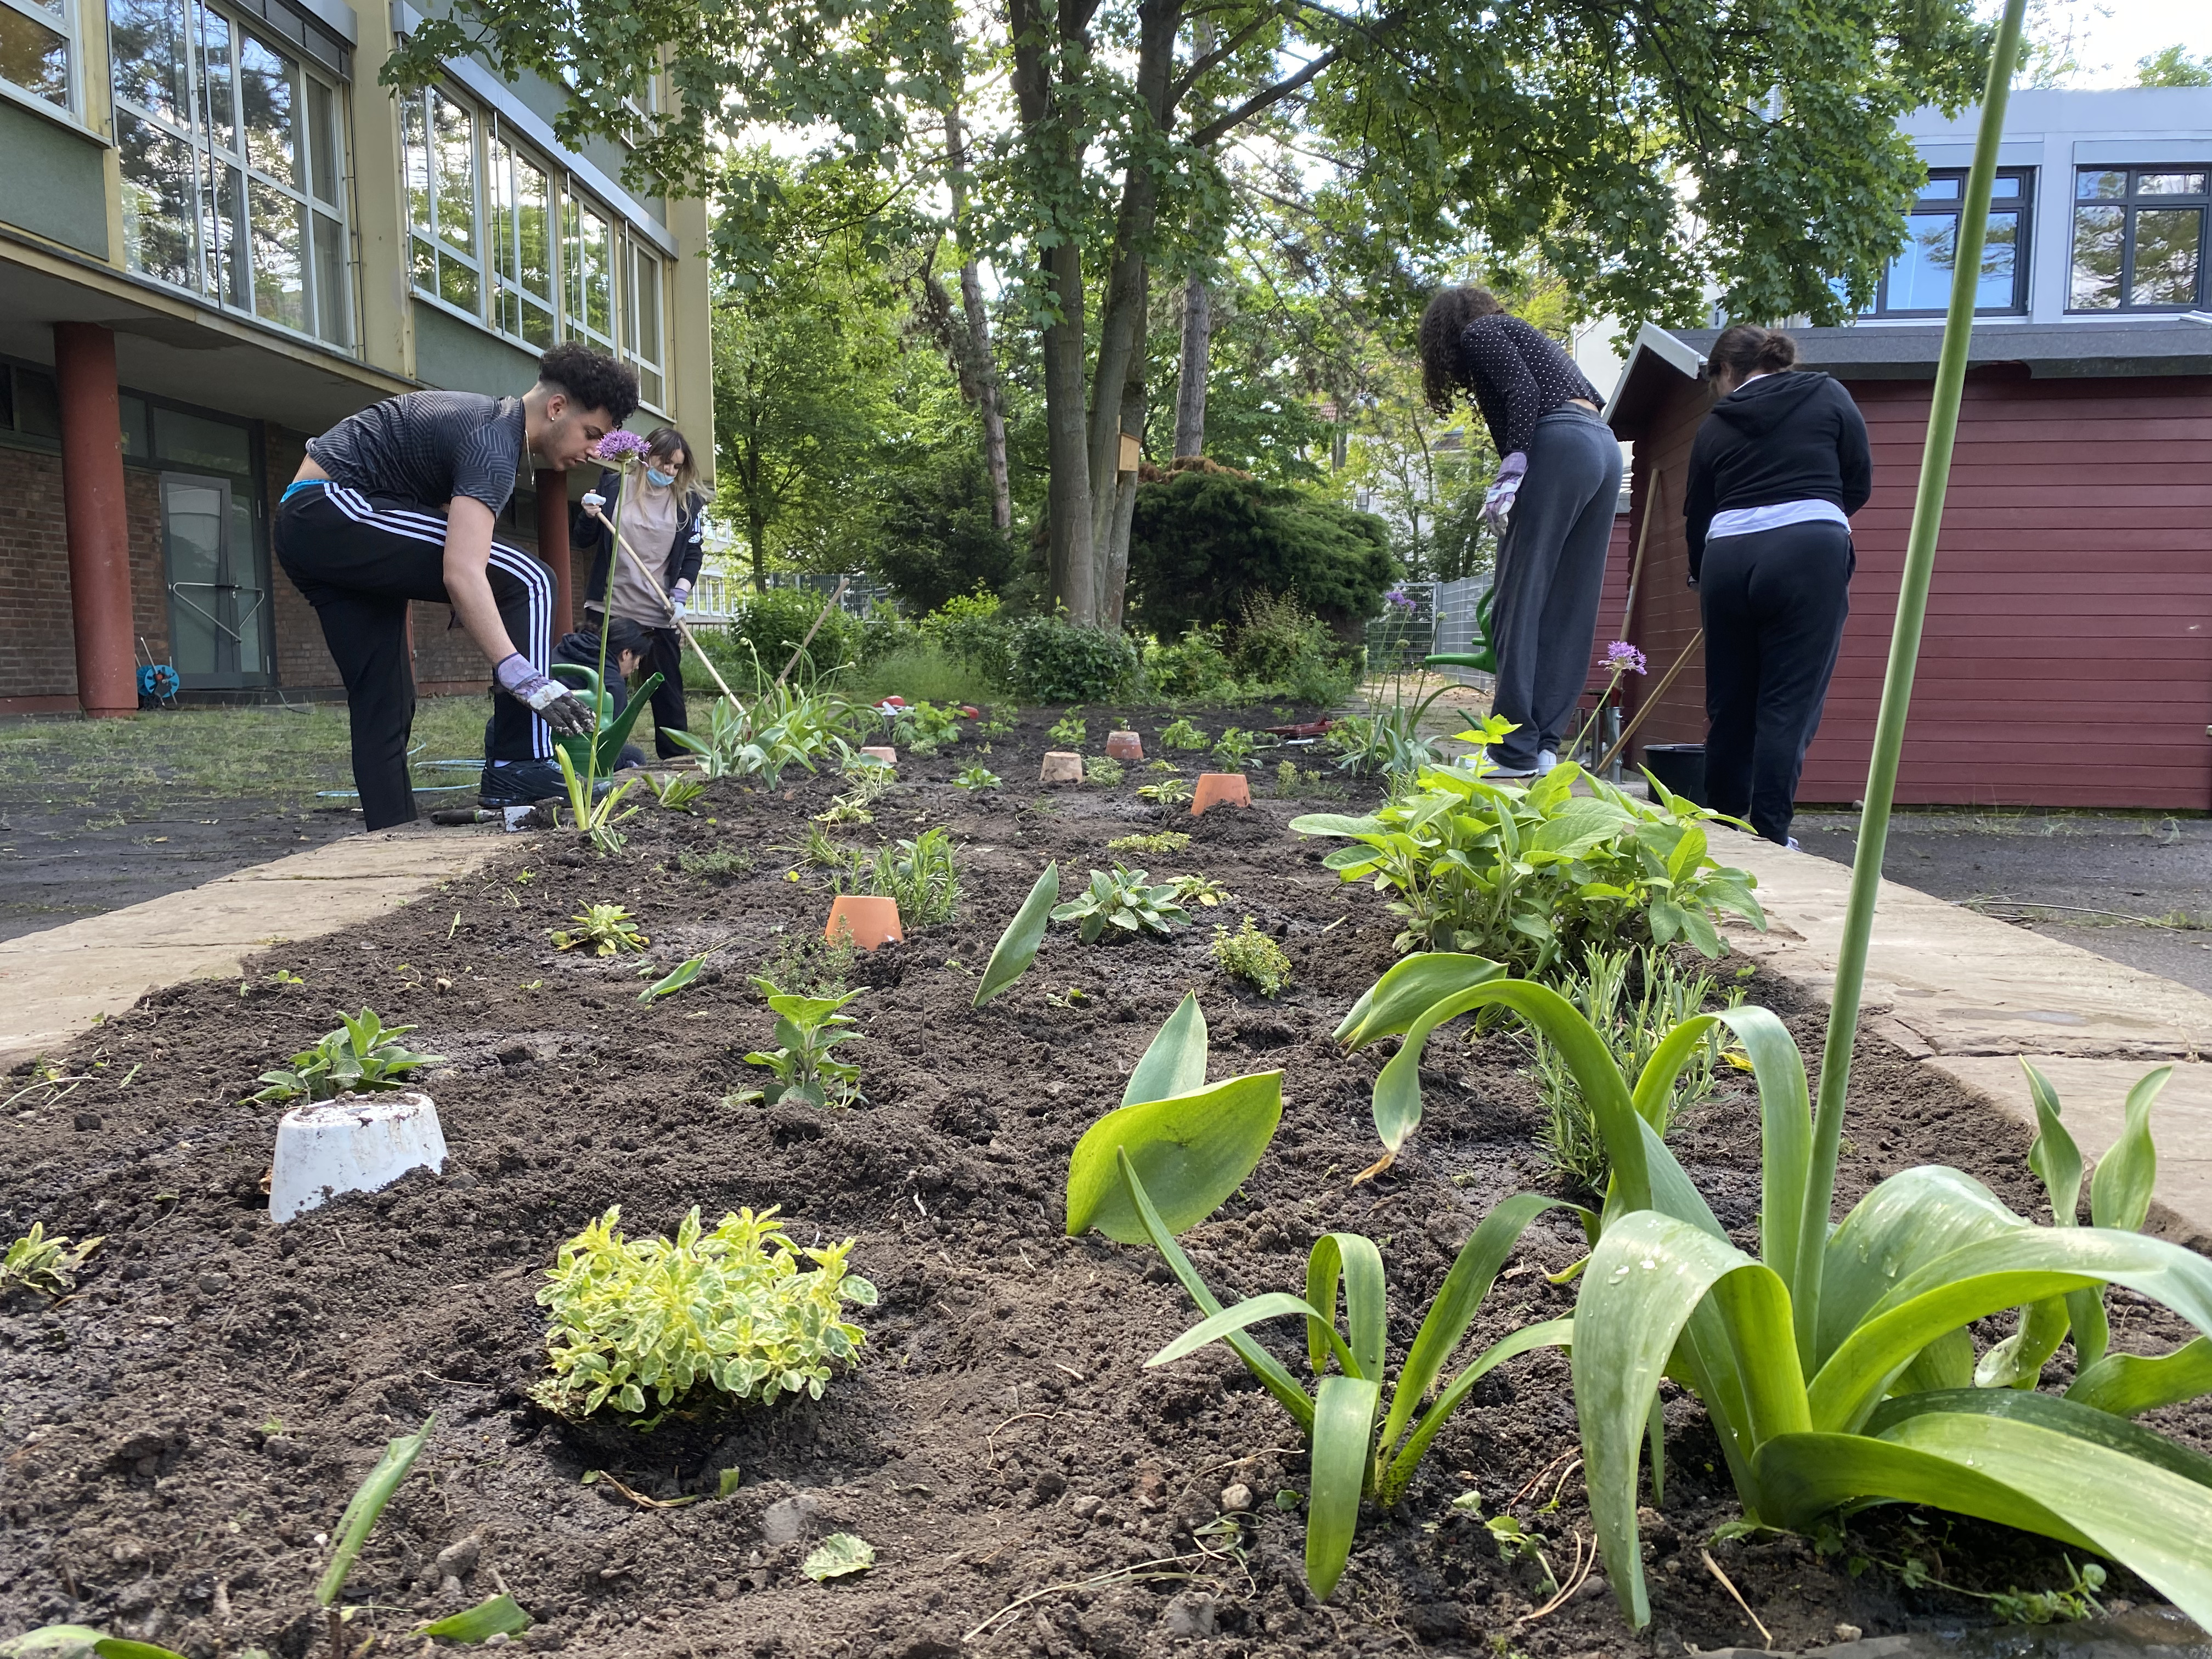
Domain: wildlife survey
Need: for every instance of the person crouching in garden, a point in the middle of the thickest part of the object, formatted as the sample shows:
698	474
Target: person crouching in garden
1776	471
1551	507
660	505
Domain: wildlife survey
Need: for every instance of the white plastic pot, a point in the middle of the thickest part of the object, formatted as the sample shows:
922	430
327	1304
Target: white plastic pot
355	1143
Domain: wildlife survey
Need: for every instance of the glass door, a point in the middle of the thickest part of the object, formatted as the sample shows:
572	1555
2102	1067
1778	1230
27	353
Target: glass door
217	620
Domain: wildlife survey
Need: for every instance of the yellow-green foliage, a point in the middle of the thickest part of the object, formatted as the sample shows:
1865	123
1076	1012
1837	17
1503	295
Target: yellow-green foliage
732	1310
1249	955
609	929
47	1265
1167	840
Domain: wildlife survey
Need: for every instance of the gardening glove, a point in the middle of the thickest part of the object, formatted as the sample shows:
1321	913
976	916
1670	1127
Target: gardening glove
550	700
593	501
678	597
1497	502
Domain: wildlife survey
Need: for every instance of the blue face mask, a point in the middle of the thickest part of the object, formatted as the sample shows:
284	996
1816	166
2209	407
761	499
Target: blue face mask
659	479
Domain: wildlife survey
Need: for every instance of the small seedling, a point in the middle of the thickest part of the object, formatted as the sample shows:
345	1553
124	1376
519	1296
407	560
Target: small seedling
978	777
1069	731
919	875
1168	792
1201	889
807	1072
609	929
277	980
43	1265
1017	946
675	794
1126	902
362	1055
1167	840
1249	955
596	818
1074	997
1179	733
749	1322
681	975
1102	770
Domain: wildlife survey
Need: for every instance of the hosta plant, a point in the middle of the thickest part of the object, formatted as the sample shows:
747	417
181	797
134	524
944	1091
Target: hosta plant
1837	1363
1167	1159
1122	903
650	1326
44	1266
1168	792
805	1065
978	777
1533	874
362	1055
609	929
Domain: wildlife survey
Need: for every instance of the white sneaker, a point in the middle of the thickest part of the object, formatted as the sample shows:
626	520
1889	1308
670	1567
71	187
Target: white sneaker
1794	847
1545	760
1499	769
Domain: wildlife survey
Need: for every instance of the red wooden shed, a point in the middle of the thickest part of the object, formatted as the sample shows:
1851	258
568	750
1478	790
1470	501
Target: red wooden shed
2067	655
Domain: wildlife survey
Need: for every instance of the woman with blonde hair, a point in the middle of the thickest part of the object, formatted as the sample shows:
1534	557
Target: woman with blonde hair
1551	507
1776	471
661	504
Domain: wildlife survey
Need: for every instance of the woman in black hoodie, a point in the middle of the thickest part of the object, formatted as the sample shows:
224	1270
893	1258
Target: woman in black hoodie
1777	469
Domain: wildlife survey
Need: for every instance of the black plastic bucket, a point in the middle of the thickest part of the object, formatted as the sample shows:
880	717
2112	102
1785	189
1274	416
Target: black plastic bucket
1680	766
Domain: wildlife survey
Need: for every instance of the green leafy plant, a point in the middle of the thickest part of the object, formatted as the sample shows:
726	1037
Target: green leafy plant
681	975
1168	792
1121	904
1069	731
43	1265
811	963
805	1065
1837	1363
723	864
1017	946
1532	875
923	722
978	777
1055	661
839	1554
674	794
1249	955
919	874
609	929
1167	1159
781	725
1103	770
1234	747
871	781
1180	733
361	1056
647	1326
1167	840
1633	1025
596	818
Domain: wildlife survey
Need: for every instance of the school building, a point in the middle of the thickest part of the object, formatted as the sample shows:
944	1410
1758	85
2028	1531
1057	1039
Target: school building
2068	653
218	236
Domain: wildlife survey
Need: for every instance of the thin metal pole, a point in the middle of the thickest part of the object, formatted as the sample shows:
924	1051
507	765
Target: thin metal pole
1897	682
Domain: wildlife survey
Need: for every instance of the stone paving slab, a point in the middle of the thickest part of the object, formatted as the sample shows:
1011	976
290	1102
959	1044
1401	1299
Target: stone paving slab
55	984
1967	996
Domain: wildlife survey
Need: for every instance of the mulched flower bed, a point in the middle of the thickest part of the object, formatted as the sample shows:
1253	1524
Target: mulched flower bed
181	1435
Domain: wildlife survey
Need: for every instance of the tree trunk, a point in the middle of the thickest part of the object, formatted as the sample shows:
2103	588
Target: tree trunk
1197	349
984	361
1115	566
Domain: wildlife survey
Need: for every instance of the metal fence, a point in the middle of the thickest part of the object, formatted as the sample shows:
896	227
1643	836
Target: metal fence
1440	619
720	598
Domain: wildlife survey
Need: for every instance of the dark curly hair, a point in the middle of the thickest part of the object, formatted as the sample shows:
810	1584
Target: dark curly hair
1449	311
592	379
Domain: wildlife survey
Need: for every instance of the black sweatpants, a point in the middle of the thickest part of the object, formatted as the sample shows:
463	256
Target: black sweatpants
1774	605
669	713
1550	571
360	560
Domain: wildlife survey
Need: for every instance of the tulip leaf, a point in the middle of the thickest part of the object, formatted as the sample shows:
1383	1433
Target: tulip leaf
2063	1414
1175	1062
1191	1151
2129	1384
2119	1193
367	1505
1343	1418
1408	989
1017	946
497	1616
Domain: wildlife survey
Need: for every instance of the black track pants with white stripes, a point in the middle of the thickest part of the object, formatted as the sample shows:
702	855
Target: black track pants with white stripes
359	559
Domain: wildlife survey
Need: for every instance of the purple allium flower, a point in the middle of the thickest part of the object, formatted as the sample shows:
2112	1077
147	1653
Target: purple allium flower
1399	598
1622	657
618	445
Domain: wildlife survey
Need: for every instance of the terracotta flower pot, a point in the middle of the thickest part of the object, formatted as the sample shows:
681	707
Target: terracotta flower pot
871	920
1124	746
1220	789
882	751
1061	766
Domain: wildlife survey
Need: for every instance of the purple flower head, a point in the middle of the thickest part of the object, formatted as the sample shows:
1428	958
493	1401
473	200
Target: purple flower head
619	447
1399	598
1623	657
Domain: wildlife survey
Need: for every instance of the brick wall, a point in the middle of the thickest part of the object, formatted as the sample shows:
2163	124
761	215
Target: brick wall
37	641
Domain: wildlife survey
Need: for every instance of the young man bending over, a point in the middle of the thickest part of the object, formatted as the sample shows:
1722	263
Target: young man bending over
396	503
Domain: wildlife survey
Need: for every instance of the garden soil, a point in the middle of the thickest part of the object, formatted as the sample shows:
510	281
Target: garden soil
180	1437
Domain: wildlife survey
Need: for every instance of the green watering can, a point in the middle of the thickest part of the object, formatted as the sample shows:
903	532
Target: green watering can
613	728
1485	656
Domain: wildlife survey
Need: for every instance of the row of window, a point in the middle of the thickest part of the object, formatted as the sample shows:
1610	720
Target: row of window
2139	237
233	160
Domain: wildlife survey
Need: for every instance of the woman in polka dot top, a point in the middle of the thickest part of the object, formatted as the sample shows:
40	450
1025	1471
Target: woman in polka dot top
1551	508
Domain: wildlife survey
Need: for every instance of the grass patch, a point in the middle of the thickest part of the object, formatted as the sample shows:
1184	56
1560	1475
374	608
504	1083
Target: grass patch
919	675
264	752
